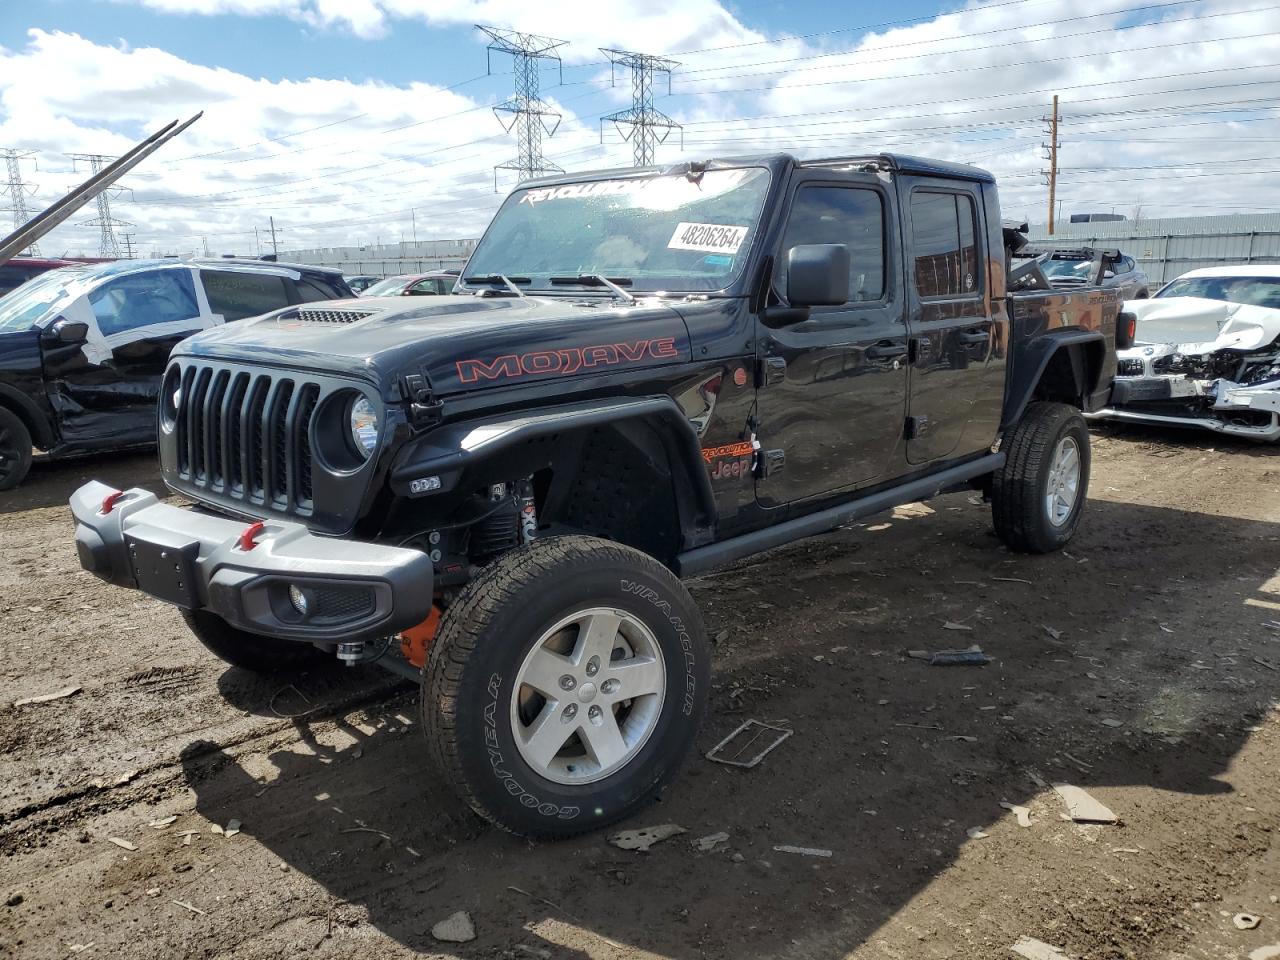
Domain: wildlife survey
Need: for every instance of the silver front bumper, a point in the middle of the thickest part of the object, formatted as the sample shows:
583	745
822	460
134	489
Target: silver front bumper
351	590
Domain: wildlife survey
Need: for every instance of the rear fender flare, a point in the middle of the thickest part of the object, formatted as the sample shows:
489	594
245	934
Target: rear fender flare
1084	351
445	452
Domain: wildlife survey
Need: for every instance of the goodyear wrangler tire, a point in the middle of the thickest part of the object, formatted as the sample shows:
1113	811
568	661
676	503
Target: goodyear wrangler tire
565	686
1038	496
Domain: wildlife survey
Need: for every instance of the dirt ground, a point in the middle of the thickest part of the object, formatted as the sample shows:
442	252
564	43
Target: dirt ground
1142	664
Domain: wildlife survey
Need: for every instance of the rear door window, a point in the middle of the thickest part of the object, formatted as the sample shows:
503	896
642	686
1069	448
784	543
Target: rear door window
144	299
945	246
240	295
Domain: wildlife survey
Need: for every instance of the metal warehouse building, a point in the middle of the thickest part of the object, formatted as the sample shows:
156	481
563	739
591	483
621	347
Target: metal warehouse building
387	259
1171	246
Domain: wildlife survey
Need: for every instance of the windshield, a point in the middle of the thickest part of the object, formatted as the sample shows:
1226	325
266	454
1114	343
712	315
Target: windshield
389	287
659	233
1256	291
21	308
1067	269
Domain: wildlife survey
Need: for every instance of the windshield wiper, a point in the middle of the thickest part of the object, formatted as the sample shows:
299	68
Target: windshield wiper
596	280
494	278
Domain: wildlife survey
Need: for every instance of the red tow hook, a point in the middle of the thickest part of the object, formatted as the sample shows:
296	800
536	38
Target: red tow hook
110	500
246	541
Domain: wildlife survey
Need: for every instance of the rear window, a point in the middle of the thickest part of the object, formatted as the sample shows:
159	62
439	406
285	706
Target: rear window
240	295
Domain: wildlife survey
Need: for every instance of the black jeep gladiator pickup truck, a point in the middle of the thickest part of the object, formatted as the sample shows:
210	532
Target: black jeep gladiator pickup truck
640	374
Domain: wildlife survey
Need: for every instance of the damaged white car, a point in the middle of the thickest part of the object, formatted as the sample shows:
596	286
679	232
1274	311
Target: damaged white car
1206	354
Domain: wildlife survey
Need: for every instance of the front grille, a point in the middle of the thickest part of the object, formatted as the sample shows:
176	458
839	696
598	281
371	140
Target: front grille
339	604
247	435
319	315
1128	368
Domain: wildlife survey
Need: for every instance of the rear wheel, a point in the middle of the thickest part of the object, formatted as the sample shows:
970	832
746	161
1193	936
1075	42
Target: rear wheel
15	449
566	685
249	651
1037	497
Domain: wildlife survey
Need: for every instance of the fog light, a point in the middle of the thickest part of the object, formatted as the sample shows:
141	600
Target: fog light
298	599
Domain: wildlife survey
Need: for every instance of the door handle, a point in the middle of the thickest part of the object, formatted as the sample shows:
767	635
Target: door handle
887	351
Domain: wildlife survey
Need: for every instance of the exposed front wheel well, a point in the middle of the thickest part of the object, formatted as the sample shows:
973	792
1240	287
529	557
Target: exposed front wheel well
1071	375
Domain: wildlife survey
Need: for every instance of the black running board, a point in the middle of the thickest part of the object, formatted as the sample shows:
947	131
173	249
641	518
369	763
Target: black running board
700	559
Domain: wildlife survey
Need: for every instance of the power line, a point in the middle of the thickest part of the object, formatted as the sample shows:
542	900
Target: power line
643	118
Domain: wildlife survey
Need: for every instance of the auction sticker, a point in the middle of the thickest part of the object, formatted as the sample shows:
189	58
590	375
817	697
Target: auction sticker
707	237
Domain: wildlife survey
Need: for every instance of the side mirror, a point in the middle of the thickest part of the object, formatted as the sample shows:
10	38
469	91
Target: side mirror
818	275
71	331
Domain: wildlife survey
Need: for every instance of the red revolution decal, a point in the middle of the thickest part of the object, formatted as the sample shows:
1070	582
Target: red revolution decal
566	361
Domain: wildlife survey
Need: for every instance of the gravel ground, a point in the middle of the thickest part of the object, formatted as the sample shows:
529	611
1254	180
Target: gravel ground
1139	664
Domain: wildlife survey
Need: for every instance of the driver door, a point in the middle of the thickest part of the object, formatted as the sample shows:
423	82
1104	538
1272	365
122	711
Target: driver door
832	393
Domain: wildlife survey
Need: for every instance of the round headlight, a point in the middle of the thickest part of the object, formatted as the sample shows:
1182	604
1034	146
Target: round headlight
364	427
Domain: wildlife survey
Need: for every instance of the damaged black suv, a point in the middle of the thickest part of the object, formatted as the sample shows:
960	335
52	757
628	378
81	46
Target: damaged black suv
83	347
639	375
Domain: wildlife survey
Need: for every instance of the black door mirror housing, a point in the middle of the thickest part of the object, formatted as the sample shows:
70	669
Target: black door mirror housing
818	275
70	331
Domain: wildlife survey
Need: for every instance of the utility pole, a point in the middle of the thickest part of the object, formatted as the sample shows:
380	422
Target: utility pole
644	120
18	189
413	217
275	248
529	112
1052	156
257	244
108	245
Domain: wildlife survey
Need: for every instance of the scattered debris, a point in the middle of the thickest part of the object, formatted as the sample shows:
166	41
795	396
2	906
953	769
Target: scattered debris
1012	580
878	527
952	625
1270	952
645	837
103	783
802	851
1083	808
919	726
1112	722
163	822
457	928
751	734
153	892
1022	813
839	649
721	637
122	843
1055	634
1082	764
973	656
710	841
962	738
1033	949
1246	921
232	828
1125	850
48	697
384	836
14	900
186	836
977	833
1266	663
413	853
186	906
215	828
909	511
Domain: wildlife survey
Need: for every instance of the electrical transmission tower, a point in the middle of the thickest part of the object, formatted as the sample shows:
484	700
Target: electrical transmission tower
530	114
108	245
649	126
18	189
128	245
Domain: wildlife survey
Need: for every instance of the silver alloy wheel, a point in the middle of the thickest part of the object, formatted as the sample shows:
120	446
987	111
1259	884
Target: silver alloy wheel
1064	481
588	696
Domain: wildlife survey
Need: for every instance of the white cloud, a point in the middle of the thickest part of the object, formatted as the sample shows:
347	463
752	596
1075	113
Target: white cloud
337	162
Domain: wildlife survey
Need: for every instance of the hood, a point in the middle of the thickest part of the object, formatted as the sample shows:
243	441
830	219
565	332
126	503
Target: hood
458	342
1198	325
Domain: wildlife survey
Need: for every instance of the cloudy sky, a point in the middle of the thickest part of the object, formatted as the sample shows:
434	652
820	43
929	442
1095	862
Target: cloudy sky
354	121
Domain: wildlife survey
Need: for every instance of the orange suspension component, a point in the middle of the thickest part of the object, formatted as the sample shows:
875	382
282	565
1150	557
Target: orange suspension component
415	643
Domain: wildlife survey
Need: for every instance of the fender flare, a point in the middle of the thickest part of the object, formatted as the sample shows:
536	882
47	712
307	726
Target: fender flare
445	452
1037	354
36	419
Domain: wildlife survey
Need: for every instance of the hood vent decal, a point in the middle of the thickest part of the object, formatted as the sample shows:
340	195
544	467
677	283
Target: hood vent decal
320	315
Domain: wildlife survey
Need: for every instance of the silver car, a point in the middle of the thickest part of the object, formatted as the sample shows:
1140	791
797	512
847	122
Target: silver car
1073	267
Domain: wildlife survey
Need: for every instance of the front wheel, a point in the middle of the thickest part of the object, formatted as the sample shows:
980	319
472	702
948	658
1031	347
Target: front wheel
1037	497
15	449
565	686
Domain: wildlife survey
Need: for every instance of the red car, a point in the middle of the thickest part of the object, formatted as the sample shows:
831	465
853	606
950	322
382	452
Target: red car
412	285
21	269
